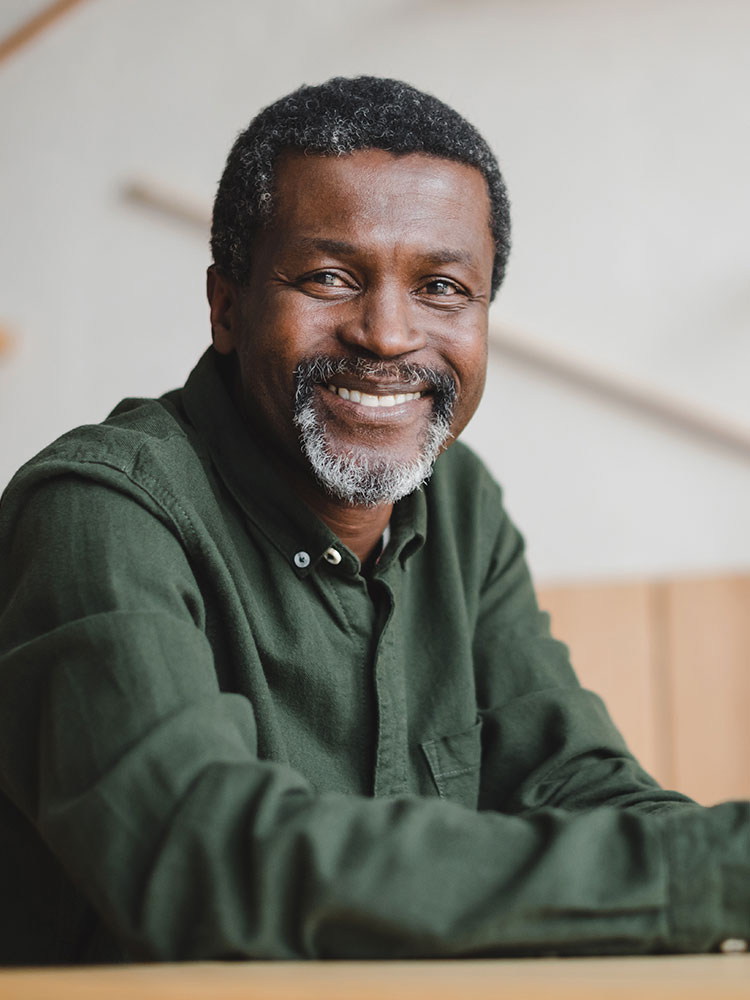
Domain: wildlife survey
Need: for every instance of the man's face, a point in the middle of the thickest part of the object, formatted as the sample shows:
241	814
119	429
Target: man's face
361	336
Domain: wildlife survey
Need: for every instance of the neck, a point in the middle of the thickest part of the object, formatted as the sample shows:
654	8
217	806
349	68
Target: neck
359	528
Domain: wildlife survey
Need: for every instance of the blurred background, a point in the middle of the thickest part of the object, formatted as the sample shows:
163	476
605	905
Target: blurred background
617	411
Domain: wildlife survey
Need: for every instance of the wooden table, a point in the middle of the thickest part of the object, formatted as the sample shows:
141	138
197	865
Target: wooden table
710	977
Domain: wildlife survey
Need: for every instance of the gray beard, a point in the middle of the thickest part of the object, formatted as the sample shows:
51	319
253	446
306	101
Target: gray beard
360	478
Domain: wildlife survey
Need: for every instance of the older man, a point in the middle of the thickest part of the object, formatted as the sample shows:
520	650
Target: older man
271	685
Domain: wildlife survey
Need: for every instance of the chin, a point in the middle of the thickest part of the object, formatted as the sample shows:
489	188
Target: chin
368	477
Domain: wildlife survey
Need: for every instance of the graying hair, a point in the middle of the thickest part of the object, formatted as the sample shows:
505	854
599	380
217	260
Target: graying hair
333	119
360	478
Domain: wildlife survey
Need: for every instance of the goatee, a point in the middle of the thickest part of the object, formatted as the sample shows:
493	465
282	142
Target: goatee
358	477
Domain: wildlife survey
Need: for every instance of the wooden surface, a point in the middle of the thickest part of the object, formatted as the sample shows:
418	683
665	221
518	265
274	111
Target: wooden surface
713	977
671	659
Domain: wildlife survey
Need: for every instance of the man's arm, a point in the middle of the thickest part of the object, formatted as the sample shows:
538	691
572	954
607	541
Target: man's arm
546	740
143	779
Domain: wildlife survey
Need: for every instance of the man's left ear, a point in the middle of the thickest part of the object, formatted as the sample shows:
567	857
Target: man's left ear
222	297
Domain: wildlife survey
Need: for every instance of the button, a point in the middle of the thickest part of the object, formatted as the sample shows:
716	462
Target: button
333	556
301	560
733	946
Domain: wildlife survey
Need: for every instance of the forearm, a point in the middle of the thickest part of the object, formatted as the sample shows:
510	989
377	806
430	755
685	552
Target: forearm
226	856
145	781
546	741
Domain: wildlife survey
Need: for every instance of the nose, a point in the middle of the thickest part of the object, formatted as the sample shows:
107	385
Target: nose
384	324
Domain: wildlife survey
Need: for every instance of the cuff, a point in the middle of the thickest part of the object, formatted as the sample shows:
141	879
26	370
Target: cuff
708	854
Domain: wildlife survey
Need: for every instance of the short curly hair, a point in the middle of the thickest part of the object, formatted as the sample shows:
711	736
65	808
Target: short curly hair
332	119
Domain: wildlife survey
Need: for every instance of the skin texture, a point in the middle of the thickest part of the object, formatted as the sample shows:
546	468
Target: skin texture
370	255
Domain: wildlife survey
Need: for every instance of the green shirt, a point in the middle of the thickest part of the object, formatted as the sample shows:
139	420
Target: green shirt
219	739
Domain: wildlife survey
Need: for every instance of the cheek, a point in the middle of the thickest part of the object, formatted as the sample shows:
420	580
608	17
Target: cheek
469	358
294	329
471	367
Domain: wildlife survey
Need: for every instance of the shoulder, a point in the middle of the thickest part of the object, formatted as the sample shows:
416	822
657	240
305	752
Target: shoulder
463	487
144	449
468	530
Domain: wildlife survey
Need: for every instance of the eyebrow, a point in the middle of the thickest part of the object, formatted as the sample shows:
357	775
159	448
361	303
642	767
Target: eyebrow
433	258
448	255
313	243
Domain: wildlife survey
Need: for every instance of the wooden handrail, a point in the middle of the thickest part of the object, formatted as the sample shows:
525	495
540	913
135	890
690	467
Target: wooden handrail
168	201
11	44
30	29
6	341
615	387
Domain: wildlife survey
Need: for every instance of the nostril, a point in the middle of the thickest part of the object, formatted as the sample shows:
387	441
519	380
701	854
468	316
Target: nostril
383	338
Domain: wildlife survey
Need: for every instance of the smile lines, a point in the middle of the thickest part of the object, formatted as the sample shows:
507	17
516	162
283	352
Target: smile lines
367	399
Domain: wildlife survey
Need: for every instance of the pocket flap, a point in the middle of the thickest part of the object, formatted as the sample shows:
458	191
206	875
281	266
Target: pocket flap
454	762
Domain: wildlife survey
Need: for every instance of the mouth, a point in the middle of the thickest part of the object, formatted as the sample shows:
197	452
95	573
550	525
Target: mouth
385	399
362	391
371	430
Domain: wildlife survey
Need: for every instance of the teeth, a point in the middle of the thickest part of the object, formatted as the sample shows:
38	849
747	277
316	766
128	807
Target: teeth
368	399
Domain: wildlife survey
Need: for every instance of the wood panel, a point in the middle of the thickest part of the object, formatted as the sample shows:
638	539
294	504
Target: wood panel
708	628
613	645
672	661
656	977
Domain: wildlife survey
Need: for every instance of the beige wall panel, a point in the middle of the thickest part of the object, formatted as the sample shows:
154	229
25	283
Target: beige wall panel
708	625
611	634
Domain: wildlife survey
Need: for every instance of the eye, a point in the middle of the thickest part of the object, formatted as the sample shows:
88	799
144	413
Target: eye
442	288
326	283
329	279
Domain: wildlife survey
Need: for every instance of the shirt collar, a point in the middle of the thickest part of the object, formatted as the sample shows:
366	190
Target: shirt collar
266	499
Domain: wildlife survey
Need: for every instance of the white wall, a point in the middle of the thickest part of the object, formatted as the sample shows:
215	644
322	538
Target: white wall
622	129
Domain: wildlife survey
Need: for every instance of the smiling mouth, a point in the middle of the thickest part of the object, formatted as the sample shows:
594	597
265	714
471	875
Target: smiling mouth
372	390
370	399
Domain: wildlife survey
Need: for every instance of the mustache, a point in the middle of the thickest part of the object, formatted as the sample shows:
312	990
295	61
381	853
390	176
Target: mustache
322	368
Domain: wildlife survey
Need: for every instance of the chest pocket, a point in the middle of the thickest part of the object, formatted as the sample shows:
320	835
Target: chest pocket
454	763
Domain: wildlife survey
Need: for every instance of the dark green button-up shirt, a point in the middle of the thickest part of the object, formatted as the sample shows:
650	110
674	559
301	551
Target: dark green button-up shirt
218	739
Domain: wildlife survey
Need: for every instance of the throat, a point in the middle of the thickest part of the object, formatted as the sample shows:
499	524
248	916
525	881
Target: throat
361	529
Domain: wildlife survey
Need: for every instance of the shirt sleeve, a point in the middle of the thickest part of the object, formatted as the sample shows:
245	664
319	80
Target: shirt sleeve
143	779
546	740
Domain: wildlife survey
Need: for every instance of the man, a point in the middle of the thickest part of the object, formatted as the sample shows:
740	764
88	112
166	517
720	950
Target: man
268	692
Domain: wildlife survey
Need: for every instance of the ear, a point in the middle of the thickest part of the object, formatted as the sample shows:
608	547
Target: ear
223	299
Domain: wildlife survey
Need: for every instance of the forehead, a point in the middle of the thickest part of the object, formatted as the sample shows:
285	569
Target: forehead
375	194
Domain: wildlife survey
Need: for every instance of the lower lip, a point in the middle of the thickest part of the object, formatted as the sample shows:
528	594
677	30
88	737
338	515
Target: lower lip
357	413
